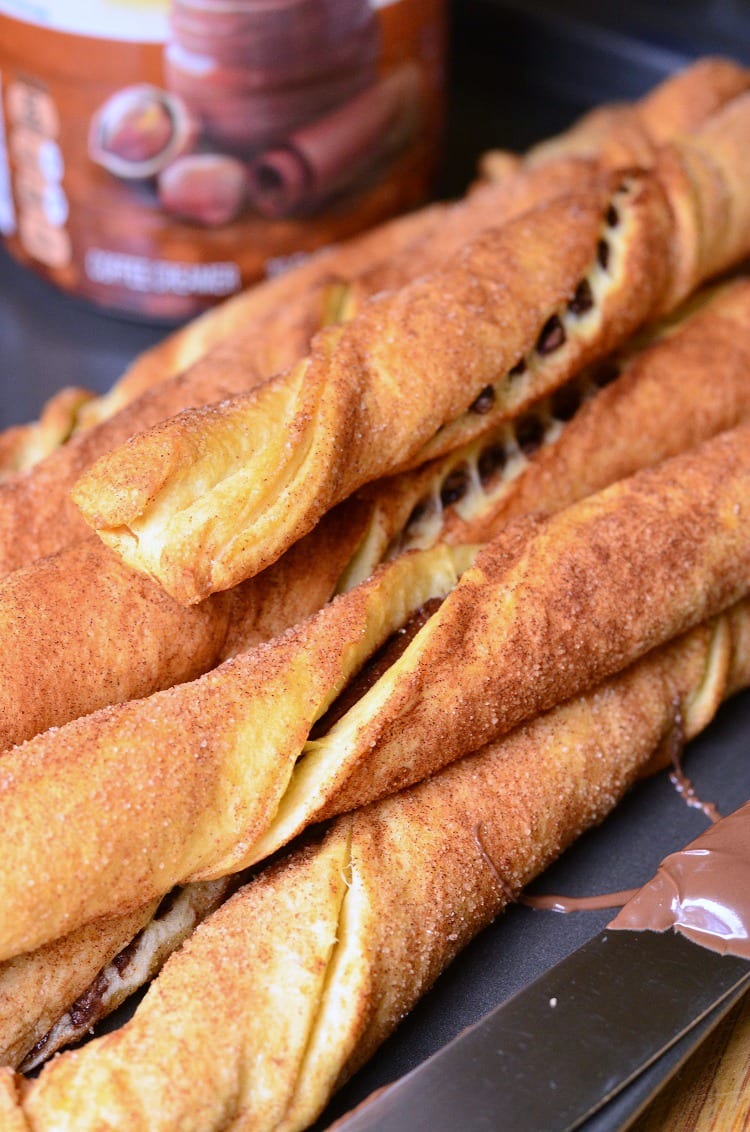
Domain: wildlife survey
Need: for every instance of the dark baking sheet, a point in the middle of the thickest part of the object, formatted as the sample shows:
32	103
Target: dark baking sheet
49	340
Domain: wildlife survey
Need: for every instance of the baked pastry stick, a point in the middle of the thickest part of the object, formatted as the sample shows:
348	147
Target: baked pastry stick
628	134
215	495
602	425
36	515
61	615
547	610
665	381
81	630
286	990
622	136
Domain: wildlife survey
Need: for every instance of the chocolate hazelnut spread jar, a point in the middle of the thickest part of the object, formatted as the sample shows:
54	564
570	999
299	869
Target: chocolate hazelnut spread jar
158	155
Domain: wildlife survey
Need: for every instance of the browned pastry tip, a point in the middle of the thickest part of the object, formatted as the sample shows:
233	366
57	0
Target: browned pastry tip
704	178
21	446
687	99
293	983
628	134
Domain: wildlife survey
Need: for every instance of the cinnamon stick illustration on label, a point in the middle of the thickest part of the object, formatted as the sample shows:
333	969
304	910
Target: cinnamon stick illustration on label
250	117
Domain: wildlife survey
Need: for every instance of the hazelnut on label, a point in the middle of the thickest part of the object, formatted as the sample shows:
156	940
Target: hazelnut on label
140	130
207	188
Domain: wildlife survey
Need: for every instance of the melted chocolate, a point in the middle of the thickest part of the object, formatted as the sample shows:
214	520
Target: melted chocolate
491	462
552	336
529	434
418	512
566	401
703	891
684	787
484	402
677	776
455	486
380	661
583	299
85	1010
602	254
553	903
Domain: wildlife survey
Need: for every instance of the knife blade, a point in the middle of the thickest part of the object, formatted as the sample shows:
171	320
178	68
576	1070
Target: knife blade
561	1048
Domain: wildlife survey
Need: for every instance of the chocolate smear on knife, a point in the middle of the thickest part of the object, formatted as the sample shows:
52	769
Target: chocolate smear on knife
703	891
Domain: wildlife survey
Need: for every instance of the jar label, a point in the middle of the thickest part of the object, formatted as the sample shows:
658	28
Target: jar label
156	155
139	21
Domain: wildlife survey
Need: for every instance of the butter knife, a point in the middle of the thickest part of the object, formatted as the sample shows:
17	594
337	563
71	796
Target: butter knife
560	1049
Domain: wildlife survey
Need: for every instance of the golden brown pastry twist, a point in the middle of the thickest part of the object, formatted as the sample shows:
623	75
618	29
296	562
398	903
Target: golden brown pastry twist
293	983
81	630
547	610
215	495
678	385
